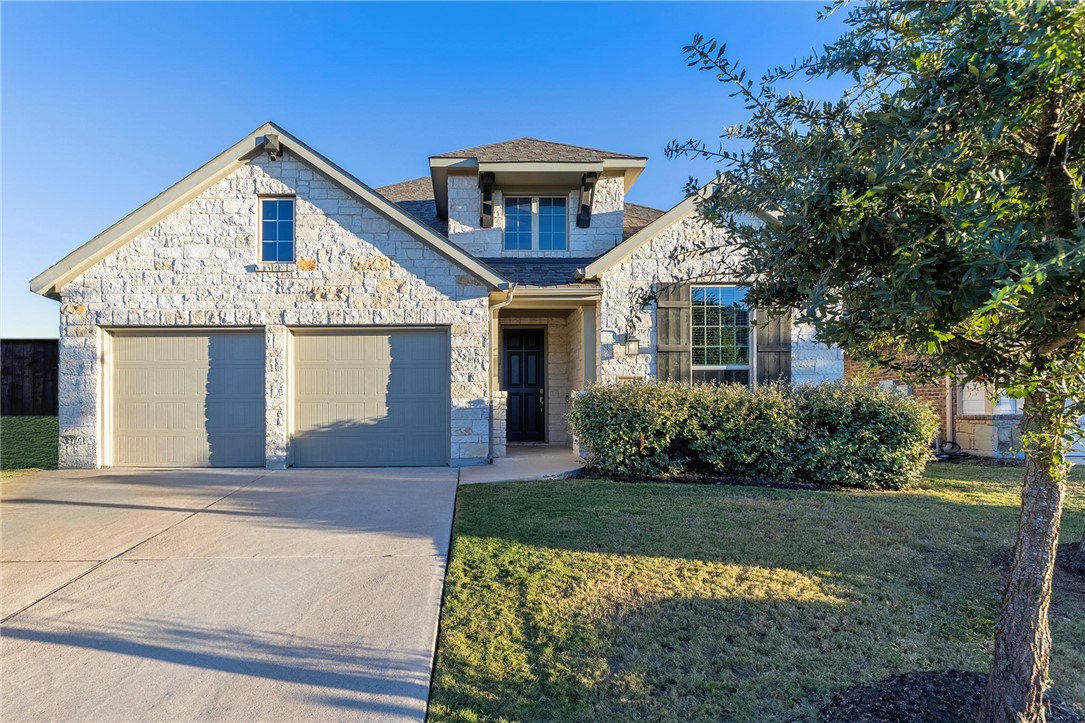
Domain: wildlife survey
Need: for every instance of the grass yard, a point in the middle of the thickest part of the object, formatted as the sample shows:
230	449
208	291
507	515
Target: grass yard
27	444
595	600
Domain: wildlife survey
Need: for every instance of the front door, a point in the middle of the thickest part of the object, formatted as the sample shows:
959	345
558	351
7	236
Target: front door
523	380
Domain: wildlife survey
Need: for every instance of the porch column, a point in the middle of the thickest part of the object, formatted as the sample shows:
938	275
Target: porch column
591	347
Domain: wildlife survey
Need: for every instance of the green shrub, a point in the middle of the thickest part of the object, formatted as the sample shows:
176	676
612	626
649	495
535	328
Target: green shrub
840	434
741	433
861	436
634	429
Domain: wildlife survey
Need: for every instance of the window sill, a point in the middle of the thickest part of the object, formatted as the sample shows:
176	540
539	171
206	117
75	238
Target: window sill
276	266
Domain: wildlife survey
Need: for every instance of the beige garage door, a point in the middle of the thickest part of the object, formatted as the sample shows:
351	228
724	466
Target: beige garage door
188	399
374	398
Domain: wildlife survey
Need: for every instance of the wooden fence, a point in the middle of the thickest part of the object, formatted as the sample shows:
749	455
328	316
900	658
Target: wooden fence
28	377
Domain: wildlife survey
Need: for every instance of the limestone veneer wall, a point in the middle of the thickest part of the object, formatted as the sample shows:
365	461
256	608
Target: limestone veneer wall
197	268
657	262
464	210
996	435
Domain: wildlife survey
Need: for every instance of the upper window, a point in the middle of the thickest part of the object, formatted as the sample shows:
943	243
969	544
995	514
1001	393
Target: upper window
534	222
721	332
277	229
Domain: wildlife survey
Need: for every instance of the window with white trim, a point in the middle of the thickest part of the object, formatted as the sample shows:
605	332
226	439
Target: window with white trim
539	223
277	230
721	337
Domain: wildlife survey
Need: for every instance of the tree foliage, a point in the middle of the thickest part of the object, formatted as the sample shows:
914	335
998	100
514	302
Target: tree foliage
936	208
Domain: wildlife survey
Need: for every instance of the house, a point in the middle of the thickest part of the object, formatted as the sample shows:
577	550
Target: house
271	309
970	415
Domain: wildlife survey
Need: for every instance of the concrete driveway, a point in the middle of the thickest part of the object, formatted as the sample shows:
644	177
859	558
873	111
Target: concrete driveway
221	594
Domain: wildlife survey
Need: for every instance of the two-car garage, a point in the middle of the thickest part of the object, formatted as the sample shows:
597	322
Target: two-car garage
355	397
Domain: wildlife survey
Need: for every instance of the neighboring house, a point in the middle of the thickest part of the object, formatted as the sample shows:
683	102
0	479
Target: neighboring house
970	415
271	309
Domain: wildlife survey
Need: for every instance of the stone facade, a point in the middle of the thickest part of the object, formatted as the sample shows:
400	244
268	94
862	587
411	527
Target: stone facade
660	260
355	267
197	268
464	210
989	435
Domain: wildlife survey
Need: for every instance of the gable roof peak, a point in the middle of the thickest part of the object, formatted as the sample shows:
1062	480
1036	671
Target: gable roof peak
49	282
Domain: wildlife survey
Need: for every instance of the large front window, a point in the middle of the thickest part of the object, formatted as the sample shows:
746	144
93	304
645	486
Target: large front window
536	223
721	334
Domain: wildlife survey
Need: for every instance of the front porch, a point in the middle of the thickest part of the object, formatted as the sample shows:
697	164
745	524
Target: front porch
524	462
544	349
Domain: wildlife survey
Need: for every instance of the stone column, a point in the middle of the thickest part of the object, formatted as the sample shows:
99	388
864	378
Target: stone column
276	389
500	402
78	393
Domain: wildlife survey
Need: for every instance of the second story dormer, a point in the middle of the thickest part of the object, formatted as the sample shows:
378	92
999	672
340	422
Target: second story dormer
529	198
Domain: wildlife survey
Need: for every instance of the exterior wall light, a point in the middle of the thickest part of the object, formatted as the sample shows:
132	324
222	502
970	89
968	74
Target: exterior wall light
632	344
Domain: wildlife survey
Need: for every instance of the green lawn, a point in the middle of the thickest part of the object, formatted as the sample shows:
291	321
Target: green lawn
27	444
595	600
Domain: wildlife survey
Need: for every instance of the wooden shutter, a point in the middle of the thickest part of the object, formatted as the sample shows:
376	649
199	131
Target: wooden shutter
773	346
673	353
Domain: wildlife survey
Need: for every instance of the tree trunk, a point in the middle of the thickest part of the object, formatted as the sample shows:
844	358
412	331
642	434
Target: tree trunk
1018	674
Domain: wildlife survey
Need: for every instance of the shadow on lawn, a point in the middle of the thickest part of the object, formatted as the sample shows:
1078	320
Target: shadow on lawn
668	660
912	578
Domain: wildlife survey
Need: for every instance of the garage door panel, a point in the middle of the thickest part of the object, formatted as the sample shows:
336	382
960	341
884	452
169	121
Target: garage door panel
188	399
371	398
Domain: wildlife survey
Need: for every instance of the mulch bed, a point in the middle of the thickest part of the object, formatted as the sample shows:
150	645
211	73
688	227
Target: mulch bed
966	458
1070	569
934	696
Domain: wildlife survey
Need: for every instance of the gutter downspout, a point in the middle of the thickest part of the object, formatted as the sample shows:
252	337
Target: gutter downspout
493	321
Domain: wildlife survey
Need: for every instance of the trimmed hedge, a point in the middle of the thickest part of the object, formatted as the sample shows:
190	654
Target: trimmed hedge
837	434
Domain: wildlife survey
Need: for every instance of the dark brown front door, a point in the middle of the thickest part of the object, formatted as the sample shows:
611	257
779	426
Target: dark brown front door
523	379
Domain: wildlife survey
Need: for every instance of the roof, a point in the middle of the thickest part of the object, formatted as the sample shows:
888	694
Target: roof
535	151
637	217
538	271
416	198
49	281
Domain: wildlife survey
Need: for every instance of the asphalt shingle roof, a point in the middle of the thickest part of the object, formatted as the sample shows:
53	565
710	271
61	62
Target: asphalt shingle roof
534	150
637	217
416	198
538	271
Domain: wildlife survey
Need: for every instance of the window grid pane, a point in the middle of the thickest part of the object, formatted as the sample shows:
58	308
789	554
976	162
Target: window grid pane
277	229
552	224
518	224
720	333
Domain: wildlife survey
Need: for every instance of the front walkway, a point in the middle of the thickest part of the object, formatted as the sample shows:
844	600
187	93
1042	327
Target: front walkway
525	462
222	594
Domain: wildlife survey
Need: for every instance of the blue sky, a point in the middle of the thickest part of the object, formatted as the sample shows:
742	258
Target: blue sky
104	106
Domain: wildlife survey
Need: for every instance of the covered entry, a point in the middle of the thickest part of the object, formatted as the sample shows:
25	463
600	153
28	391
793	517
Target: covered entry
371	397
188	399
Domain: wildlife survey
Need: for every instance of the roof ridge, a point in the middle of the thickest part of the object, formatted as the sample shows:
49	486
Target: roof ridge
507	145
